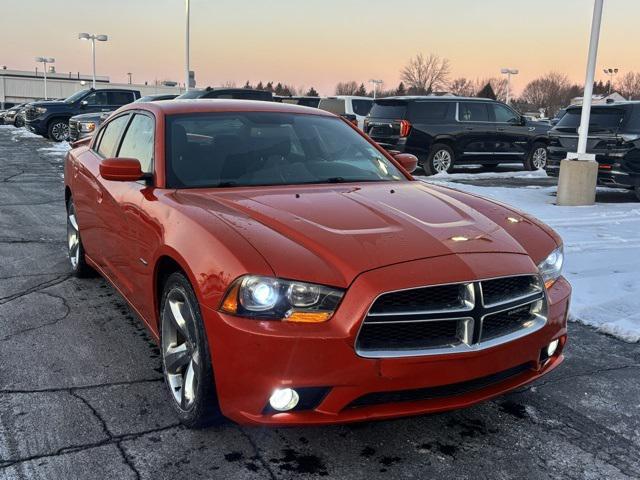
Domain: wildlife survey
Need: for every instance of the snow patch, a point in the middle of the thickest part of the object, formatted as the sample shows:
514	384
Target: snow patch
602	251
56	149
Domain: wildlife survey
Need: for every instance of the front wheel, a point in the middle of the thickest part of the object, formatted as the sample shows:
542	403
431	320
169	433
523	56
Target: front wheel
537	158
58	130
441	159
186	362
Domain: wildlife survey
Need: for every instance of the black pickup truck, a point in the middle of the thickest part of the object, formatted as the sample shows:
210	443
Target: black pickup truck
51	119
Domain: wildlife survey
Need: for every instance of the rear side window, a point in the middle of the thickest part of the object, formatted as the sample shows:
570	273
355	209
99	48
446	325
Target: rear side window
138	142
429	111
361	107
388	109
602	119
120	98
473	112
333	105
111	135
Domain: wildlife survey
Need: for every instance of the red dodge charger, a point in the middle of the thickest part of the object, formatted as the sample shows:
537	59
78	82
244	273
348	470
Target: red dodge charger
293	272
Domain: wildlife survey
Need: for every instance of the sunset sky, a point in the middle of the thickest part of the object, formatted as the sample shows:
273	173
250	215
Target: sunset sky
318	42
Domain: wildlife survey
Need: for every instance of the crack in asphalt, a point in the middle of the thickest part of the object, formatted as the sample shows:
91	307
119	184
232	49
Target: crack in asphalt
257	452
42	325
107	432
114	440
82	387
36	288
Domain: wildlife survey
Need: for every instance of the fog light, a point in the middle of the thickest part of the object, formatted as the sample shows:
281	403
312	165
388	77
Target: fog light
284	399
552	347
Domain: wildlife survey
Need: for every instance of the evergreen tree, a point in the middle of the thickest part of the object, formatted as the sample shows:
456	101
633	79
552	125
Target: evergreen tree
487	92
247	85
269	87
401	89
260	86
312	93
362	91
279	90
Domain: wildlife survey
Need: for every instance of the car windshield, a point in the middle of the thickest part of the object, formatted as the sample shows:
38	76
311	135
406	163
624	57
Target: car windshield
268	148
76	96
602	119
190	95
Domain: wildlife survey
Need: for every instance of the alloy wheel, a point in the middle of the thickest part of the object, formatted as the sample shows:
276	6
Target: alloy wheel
60	131
540	158
442	161
180	354
73	237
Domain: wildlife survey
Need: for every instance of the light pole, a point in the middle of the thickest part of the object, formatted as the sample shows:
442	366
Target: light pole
186	52
93	38
611	72
508	72
577	181
375	84
129	75
44	61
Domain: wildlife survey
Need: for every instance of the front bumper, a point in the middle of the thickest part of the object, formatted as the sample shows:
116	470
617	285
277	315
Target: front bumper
37	125
252	358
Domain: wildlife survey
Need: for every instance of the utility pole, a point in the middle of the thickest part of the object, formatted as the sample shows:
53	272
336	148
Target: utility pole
186	63
579	171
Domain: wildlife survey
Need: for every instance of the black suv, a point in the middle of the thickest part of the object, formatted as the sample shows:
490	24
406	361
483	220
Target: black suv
228	93
447	131
614	138
51	118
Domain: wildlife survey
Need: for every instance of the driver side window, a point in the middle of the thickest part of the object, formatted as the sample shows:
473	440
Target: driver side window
504	114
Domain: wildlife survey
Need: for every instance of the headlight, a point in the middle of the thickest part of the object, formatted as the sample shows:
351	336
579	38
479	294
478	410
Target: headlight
268	298
87	126
551	267
41	110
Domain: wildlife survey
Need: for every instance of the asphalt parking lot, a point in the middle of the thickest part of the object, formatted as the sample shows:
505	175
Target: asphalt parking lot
81	394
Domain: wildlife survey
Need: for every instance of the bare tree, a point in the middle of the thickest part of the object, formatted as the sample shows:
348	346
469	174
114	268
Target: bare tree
551	92
424	75
499	86
229	84
347	88
629	86
463	87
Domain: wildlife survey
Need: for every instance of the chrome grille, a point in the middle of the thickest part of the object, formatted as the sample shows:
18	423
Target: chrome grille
452	318
73	130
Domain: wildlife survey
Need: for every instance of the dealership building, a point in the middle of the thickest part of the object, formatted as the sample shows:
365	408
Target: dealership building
20	86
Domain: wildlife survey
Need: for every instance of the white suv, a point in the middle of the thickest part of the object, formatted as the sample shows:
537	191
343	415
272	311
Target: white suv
348	105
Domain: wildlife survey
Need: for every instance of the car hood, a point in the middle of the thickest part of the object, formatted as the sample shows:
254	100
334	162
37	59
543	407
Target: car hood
331	234
87	117
55	103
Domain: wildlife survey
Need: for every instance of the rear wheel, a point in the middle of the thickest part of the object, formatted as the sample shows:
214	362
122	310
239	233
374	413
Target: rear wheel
58	130
537	158
186	362
441	159
75	249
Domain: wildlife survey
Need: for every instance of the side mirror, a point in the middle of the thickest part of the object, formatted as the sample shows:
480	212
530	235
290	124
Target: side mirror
121	169
523	121
408	161
83	103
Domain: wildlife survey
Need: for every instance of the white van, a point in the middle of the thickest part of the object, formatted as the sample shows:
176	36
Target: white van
348	105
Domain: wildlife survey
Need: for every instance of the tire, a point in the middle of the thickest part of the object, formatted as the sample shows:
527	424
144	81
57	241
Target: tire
18	123
58	130
440	159
186	362
537	158
75	249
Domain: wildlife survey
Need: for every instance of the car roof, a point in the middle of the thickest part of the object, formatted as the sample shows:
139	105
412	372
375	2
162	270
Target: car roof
176	107
442	98
605	105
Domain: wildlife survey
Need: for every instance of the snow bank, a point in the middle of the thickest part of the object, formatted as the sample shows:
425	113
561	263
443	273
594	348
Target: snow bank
602	250
19	133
